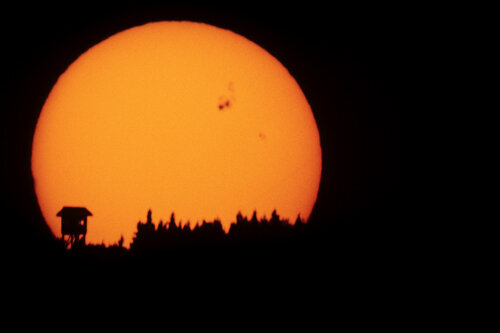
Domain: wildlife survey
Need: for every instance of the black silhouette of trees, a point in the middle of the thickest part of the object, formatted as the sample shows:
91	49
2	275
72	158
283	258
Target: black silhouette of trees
243	231
174	235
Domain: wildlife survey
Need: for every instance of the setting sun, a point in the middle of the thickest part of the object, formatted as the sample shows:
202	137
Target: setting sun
175	117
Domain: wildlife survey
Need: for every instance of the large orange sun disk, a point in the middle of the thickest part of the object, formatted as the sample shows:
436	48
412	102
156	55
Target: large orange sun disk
178	117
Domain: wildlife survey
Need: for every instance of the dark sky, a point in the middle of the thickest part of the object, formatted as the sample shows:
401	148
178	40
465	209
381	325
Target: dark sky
347	60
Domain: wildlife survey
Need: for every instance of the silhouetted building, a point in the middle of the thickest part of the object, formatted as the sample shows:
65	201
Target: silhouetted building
74	224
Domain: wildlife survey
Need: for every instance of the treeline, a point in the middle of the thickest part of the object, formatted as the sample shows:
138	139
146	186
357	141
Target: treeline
243	232
259	245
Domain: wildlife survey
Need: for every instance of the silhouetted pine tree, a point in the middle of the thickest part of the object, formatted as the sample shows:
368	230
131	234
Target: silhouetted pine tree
275	219
145	236
172	226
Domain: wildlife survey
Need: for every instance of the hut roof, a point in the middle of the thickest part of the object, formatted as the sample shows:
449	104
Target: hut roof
78	211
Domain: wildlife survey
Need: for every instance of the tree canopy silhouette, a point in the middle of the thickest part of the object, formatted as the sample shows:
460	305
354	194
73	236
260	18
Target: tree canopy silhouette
211	233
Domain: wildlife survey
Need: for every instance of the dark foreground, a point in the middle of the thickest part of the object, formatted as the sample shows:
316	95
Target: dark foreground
270	254
351	271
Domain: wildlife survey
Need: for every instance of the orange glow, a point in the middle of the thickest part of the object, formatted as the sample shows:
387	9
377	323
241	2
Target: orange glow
178	117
